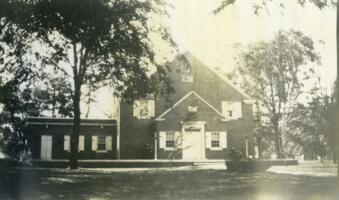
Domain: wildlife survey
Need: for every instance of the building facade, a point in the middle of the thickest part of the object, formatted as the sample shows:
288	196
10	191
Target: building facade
202	119
49	138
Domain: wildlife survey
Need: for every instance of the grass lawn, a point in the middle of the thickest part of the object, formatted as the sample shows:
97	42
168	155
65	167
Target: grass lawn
161	184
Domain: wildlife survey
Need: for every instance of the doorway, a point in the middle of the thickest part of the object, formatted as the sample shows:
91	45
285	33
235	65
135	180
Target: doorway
46	147
193	142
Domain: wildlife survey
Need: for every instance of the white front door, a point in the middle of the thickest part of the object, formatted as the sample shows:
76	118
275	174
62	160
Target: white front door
193	143
46	147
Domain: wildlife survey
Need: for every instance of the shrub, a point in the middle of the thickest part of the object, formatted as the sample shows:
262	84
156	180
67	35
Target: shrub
234	155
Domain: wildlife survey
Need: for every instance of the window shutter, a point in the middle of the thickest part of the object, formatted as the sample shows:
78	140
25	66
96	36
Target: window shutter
136	108
108	143
94	143
67	142
81	146
208	140
223	140
224	108
237	110
162	140
151	108
178	140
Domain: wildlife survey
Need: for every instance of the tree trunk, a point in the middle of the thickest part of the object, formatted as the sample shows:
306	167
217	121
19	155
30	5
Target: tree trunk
73	159
53	106
259	147
277	137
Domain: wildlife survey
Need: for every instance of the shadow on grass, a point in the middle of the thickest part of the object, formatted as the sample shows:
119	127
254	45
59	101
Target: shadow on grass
195	184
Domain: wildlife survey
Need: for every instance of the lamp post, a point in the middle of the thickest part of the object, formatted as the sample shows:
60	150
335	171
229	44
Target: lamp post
246	146
156	135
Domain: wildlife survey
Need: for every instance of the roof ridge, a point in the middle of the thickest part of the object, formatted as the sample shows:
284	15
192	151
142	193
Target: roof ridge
188	54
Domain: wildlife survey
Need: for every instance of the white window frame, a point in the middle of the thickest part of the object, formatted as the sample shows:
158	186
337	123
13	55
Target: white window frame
108	143
150	108
101	150
219	148
187	78
231	106
222	140
166	139
187	75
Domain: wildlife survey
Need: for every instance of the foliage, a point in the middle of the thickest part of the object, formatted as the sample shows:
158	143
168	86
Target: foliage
234	155
92	41
274	73
312	125
261	4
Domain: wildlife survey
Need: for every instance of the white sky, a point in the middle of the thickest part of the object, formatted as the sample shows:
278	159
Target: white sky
211	37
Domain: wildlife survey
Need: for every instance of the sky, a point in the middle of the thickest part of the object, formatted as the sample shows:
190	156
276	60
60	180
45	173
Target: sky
211	38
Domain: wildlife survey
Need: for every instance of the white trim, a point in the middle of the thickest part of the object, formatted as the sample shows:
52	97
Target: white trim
160	118
216	149
170	149
249	101
174	105
203	100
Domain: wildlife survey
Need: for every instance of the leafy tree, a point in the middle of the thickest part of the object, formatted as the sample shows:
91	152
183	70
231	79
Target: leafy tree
96	40
321	4
273	73
312	127
16	72
58	93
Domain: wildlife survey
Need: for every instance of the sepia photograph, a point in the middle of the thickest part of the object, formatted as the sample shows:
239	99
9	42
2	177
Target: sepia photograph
169	99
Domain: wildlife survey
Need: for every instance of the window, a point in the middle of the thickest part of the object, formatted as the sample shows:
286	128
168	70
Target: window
101	143
231	110
143	109
187	75
215	140
170	140
67	143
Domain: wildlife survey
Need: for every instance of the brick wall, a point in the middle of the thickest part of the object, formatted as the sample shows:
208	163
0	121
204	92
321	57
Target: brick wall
57	132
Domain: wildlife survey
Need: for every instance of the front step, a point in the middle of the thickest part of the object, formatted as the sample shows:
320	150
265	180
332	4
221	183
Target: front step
210	165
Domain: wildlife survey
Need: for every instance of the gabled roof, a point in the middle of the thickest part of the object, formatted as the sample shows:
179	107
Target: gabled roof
160	117
189	56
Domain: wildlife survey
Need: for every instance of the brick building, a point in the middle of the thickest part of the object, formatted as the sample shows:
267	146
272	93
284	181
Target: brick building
202	119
